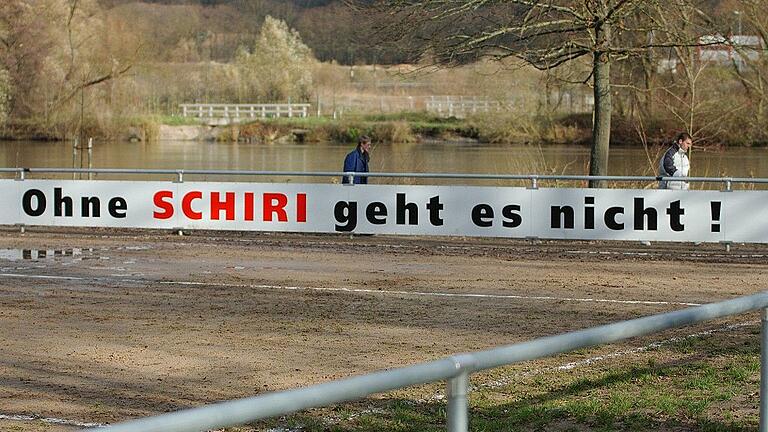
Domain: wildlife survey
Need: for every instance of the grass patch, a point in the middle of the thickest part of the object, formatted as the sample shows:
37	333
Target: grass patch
695	384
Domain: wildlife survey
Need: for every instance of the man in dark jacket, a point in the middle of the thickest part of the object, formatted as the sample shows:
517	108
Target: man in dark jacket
357	160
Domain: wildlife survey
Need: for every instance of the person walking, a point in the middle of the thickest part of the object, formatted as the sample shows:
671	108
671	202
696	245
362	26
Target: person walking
675	163
357	161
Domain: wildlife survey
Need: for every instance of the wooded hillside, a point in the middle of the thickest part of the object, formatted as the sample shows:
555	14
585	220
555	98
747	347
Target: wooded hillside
212	29
199	30
70	66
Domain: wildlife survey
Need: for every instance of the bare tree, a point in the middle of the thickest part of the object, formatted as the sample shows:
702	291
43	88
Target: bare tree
53	51
751	69
24	44
544	34
82	68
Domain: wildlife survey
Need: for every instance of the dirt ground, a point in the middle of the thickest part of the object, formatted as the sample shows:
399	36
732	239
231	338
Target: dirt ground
103	326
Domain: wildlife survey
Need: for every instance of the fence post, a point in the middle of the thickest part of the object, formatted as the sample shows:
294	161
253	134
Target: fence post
90	158
74	157
457	416
764	372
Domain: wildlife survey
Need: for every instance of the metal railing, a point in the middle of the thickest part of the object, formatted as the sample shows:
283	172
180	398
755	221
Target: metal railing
534	179
455	370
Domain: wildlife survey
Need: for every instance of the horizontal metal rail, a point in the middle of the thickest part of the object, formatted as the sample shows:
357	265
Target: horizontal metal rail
455	369
22	172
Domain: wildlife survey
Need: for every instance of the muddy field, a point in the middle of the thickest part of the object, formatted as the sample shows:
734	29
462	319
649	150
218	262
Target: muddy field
102	326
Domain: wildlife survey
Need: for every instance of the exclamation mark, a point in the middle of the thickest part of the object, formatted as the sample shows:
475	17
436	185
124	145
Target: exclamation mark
715	205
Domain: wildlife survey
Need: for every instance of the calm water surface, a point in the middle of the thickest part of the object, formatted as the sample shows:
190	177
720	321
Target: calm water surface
442	157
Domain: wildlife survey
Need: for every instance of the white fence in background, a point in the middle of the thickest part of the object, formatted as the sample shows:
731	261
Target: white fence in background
450	105
339	105
461	106
442	105
234	113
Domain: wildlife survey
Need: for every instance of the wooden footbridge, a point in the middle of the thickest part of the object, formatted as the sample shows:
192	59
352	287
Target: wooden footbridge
223	114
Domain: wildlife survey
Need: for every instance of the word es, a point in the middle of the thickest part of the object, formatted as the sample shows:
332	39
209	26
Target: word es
407	213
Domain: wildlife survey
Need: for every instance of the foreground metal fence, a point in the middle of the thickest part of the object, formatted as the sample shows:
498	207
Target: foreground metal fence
455	370
534	179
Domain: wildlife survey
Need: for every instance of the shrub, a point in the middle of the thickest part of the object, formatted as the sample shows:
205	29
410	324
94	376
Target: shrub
279	66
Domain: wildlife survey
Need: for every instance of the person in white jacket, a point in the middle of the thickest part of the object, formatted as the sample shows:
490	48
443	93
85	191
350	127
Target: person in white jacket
675	163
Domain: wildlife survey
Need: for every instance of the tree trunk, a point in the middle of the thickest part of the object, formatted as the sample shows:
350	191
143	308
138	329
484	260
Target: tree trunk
601	127
648	75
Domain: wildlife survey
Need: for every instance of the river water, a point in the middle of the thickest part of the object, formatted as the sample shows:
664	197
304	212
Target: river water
434	157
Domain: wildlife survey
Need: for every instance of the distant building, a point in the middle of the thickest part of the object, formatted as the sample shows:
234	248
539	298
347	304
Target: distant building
719	50
736	49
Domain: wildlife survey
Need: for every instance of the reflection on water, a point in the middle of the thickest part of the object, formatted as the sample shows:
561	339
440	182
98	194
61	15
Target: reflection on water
35	254
437	156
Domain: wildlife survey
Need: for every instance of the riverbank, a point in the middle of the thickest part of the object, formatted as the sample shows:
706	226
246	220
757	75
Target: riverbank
403	127
412	127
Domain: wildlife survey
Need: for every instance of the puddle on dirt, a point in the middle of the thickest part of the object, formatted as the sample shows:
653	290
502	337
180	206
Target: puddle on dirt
42	254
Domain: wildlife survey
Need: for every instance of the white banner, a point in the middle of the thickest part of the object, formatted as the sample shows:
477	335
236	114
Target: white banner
585	214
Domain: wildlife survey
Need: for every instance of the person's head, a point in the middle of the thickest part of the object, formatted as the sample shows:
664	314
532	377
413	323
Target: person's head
684	141
364	143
